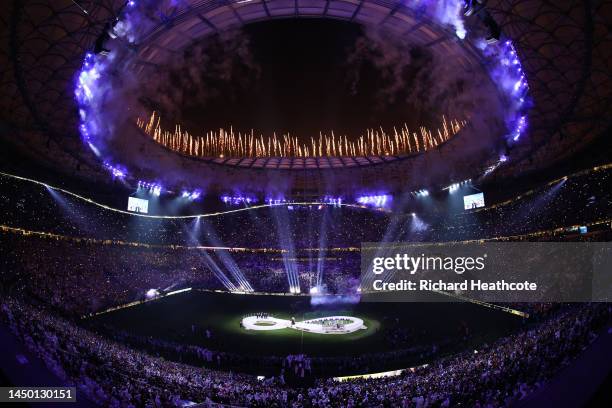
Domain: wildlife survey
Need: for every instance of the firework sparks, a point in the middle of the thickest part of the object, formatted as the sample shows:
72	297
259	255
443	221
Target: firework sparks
375	142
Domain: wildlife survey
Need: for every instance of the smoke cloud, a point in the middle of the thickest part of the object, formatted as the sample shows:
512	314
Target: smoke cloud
200	74
416	76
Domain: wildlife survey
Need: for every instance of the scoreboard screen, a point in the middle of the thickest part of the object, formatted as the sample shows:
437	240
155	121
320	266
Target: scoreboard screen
138	205
473	201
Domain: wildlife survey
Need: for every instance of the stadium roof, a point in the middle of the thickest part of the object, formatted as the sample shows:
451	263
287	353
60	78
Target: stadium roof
565	48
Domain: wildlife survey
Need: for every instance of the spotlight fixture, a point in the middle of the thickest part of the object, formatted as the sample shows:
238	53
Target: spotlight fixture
277	201
152	293
237	200
192	196
374	200
116	171
152	188
335	201
455	186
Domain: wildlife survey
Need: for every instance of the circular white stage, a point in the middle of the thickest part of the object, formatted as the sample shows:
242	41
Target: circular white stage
323	325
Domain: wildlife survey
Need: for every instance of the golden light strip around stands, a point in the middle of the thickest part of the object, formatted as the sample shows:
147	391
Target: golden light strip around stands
48	235
135	303
214	214
285	294
571	228
220	213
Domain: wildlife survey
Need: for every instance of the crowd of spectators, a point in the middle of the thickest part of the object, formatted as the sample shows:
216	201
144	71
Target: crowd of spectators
577	200
83	277
101	258
499	374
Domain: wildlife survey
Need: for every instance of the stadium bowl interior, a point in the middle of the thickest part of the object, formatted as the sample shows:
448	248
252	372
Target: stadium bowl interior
145	265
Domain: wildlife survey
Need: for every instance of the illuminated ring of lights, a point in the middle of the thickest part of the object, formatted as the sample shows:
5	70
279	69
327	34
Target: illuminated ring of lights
25	232
363	207
271	323
505	70
215	214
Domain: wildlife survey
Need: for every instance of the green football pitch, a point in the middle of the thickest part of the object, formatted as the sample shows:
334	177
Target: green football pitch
172	318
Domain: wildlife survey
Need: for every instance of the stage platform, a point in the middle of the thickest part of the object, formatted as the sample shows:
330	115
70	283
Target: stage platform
327	325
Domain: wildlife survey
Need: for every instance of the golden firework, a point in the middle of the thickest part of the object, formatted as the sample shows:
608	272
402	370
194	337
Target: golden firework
375	142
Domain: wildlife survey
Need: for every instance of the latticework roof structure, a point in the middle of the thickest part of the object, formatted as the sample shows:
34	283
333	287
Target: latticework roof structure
564	46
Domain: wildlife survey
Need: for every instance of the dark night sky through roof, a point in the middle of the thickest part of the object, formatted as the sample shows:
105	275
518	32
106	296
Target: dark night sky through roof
297	79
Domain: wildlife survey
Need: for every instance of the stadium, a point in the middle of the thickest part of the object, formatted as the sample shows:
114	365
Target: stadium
306	203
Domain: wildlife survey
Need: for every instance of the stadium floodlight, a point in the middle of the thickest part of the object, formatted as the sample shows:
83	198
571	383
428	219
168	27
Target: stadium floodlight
116	171
277	201
151	293
378	201
191	195
238	200
335	201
